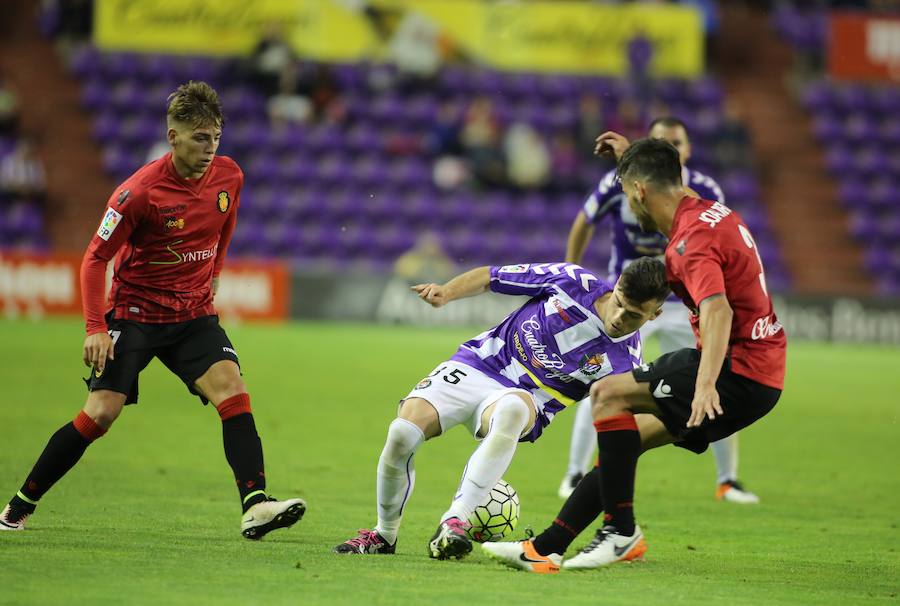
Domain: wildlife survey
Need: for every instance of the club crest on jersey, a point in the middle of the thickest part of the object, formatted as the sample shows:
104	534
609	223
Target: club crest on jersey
122	197
224	201
681	247
591	364
173	223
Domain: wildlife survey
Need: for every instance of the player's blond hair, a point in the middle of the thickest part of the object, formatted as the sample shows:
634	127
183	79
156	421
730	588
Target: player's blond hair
196	104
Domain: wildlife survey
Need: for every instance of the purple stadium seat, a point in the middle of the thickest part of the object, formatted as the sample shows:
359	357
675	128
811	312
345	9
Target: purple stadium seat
817	97
119	66
851	98
339	195
827	128
885	100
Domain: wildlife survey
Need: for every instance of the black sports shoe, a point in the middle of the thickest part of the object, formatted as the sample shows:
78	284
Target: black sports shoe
367	542
450	540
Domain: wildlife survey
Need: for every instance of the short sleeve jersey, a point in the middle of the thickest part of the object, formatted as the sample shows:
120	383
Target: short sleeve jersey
555	345
169	236
630	242
711	251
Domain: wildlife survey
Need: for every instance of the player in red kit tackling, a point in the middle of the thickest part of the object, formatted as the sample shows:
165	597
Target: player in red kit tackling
689	397
168	227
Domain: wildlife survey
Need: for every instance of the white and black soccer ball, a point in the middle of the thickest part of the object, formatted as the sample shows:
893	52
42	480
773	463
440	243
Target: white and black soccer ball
497	516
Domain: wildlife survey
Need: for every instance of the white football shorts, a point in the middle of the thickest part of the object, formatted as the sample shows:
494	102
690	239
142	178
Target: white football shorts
460	394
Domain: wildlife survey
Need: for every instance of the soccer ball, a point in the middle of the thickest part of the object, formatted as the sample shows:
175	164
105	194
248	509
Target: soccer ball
497	516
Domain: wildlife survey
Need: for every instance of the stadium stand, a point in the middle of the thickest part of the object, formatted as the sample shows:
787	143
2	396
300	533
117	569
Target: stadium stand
858	127
355	191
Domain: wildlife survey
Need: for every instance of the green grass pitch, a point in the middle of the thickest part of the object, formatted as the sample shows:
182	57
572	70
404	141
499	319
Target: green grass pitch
150	515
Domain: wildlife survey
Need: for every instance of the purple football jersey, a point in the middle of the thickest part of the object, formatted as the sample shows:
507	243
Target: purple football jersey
555	345
629	241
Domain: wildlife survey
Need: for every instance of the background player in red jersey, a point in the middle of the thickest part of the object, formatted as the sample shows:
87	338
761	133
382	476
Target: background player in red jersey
691	397
168	227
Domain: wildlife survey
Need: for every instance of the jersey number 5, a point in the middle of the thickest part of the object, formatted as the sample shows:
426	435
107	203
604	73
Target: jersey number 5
748	240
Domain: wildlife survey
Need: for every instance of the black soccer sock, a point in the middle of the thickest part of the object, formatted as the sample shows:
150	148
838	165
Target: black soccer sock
243	450
62	451
620	446
580	509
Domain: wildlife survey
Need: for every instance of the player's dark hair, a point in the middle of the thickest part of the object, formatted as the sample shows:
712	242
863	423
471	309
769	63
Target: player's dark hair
644	280
653	160
669	122
197	104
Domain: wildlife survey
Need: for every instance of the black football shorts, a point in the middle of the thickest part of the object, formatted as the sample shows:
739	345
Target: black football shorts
672	378
188	349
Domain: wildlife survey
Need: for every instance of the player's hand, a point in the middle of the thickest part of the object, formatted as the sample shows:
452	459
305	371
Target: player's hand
611	144
433	294
97	349
706	404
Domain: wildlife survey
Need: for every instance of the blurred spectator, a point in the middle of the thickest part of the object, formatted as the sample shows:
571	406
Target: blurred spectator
442	141
450	172
306	91
22	172
70	20
415	50
591	123
640	55
564	163
480	139
9	111
288	105
631	117
443	138
732	148
527	157
325	95
425	262
269	60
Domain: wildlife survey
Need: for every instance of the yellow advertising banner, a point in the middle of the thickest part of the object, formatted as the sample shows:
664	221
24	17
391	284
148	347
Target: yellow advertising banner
558	36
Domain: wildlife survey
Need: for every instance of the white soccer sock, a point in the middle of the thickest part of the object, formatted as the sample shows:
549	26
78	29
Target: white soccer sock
490	460
726	452
396	475
584	439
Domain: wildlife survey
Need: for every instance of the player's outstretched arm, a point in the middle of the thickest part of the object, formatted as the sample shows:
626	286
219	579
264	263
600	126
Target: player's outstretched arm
715	328
579	235
611	144
471	283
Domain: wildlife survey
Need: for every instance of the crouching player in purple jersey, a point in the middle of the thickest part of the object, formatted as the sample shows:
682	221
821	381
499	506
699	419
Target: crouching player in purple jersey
507	384
673	329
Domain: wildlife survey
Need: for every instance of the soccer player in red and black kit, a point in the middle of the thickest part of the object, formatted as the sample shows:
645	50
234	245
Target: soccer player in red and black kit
689	397
168	227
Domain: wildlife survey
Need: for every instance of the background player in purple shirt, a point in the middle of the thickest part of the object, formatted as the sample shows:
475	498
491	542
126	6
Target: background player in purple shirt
673	327
506	384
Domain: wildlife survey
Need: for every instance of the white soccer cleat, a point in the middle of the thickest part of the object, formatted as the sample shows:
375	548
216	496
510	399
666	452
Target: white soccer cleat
607	548
270	515
733	492
522	555
567	487
12	520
